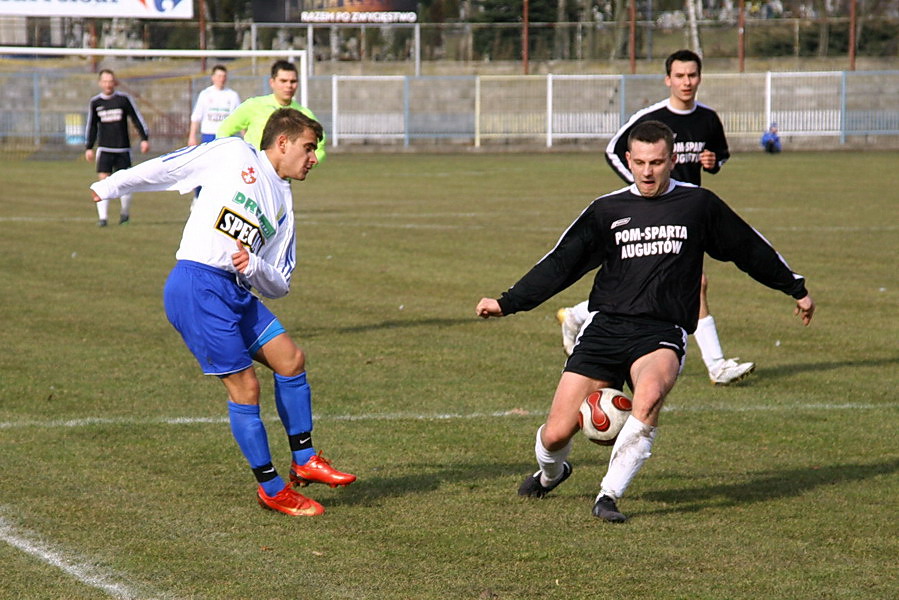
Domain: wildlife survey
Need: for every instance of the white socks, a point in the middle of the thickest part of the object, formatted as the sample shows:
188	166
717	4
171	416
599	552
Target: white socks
550	462
706	335
126	204
103	209
631	449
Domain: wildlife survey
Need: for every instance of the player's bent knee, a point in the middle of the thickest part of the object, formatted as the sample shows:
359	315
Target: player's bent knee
556	437
294	365
647	414
648	403
243	387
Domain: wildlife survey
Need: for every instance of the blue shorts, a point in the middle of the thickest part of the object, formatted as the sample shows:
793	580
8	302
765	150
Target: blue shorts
206	137
610	344
222	323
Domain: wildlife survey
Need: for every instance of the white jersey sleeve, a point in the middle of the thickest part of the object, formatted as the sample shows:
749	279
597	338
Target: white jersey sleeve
242	200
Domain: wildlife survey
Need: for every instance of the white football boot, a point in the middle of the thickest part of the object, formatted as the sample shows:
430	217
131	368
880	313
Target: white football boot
727	371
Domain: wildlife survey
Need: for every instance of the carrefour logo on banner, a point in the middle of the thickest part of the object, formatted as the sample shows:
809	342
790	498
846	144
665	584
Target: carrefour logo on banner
163	5
139	9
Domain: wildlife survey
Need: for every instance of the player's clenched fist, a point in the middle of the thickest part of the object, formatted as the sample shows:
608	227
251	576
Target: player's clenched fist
488	307
241	258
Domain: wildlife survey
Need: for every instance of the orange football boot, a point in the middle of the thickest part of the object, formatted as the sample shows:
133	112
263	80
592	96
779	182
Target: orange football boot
289	502
318	469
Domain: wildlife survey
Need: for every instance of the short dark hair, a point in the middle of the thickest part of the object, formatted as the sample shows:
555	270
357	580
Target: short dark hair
103	71
282	65
219	68
651	132
683	56
289	122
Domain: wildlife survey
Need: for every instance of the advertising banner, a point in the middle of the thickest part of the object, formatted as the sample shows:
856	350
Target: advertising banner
100	9
361	11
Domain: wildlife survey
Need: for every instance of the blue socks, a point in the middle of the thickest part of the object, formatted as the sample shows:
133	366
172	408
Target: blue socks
249	431
293	398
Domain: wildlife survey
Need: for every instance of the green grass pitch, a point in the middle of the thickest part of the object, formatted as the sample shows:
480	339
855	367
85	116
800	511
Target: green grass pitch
119	477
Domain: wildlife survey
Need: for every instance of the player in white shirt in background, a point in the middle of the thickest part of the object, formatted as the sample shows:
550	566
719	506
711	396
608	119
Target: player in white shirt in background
241	235
213	105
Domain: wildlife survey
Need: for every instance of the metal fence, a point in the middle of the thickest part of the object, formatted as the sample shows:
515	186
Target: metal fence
552	109
45	110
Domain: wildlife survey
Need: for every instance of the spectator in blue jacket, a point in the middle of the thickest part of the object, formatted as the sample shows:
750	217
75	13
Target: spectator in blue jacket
770	140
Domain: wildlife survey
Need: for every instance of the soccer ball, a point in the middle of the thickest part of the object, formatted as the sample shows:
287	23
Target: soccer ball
603	414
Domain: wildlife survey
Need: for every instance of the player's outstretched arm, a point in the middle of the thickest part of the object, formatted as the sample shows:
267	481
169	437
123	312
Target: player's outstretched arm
805	308
488	307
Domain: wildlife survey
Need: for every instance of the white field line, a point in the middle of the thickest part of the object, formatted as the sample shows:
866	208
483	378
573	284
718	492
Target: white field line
516	412
84	570
87	573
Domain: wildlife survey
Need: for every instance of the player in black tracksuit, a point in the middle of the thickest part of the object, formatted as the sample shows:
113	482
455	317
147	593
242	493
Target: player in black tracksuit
697	129
700	145
107	125
648	241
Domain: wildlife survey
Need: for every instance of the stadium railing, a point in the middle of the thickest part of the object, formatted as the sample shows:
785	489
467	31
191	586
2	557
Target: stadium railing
44	109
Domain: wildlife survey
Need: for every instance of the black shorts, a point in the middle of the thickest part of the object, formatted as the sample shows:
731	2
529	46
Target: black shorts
110	162
610	344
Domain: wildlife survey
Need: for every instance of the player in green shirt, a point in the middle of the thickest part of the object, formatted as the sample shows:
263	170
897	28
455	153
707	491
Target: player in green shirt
252	114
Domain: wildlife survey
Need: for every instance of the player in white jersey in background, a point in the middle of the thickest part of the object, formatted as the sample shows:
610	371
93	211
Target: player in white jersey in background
213	105
241	235
700	145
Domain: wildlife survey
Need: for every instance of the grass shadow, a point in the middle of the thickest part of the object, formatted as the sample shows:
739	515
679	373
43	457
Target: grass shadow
787	371
412	322
763	486
371	489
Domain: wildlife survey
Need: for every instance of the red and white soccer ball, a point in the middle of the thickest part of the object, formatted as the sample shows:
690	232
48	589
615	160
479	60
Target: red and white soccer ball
603	414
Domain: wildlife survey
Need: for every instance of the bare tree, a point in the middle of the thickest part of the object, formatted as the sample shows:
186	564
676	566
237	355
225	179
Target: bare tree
562	33
620	45
693	27
823	26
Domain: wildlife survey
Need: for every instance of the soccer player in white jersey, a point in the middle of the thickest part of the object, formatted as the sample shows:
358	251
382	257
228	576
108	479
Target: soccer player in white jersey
241	235
213	105
700	145
646	243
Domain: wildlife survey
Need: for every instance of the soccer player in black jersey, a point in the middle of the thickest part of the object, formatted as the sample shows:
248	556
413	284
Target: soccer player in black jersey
107	125
700	145
648	241
699	141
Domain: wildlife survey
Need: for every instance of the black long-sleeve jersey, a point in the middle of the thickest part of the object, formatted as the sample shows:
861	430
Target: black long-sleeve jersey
650	253
107	122
694	131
